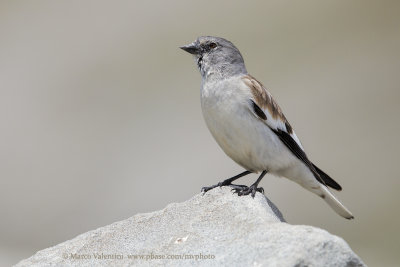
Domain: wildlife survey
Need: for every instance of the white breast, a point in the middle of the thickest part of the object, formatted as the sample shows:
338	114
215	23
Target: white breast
241	135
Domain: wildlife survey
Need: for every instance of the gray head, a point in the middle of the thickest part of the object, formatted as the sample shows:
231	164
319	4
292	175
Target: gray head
216	57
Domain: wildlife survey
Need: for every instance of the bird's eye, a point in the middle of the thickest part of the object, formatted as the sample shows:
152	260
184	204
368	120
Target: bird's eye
212	45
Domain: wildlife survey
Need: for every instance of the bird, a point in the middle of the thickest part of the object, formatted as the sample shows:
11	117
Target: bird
250	127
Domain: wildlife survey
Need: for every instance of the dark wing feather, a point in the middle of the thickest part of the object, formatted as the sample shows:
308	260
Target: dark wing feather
327	179
257	110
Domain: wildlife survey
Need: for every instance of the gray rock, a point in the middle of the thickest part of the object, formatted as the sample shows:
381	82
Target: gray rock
217	229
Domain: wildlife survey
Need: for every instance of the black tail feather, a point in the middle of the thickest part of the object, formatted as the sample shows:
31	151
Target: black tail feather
328	180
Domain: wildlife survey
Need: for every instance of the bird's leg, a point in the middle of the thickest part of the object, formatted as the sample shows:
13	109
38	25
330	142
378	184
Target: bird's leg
252	188
227	182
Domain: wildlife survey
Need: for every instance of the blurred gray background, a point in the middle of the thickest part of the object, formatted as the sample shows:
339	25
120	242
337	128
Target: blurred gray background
100	115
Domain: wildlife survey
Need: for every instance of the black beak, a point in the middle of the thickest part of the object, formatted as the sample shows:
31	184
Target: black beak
191	48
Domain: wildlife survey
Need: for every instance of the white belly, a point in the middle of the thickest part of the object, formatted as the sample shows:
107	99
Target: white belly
241	135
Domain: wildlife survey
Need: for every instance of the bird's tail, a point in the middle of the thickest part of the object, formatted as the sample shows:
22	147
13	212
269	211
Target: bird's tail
334	203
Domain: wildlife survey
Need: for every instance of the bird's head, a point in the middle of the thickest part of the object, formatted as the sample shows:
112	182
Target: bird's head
216	57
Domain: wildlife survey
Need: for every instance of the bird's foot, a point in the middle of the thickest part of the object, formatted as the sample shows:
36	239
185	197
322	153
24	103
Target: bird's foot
247	190
237	187
220	184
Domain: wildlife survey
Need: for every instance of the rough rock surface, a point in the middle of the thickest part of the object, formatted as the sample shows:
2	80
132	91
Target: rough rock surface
217	229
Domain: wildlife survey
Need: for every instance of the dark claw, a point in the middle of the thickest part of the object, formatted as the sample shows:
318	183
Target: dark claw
240	190
206	188
244	191
237	187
